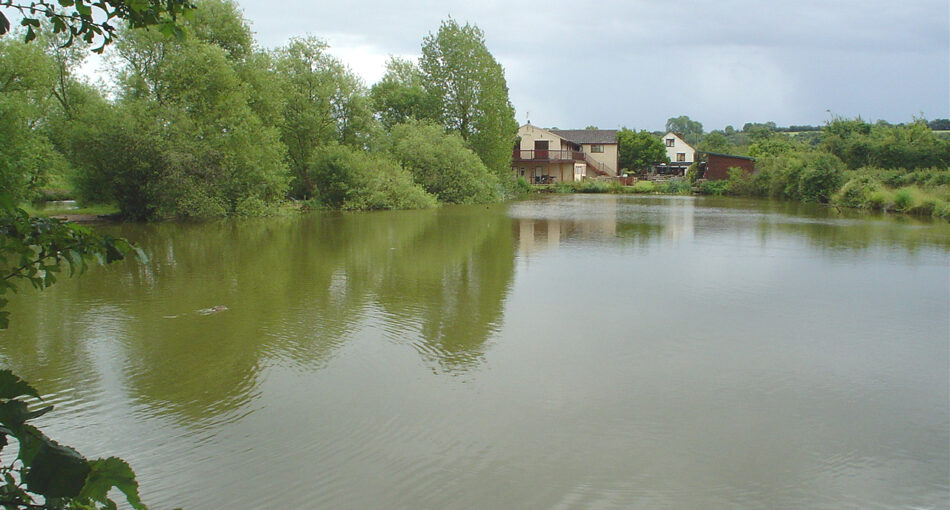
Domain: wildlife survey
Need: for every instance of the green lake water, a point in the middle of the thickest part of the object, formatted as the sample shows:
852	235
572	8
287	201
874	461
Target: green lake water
578	351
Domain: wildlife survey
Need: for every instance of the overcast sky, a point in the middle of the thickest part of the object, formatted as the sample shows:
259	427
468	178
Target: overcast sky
636	63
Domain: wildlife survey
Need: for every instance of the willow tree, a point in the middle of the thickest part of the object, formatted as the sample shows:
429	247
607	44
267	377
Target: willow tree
202	149
468	90
325	103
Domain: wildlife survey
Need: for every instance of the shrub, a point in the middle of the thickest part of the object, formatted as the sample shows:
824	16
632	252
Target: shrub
521	186
925	207
857	192
192	200
386	185
903	199
942	210
332	174
821	177
692	173
743	183
881	200
251	206
355	180
713	187
913	200
677	187
564	187
592	186
442	164
644	187
780	175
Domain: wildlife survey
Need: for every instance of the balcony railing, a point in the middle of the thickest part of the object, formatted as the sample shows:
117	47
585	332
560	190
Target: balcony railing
546	155
519	155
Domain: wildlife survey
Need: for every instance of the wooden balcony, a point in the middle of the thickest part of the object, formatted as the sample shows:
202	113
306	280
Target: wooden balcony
557	156
538	155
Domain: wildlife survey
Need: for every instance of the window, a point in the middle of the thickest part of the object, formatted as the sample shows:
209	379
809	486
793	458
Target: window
670	142
680	156
597	148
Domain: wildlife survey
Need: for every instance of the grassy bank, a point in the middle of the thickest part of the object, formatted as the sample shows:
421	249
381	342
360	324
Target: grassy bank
592	186
923	193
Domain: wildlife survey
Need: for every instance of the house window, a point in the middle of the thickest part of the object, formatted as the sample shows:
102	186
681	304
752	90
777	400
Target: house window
680	156
669	142
597	148
522	171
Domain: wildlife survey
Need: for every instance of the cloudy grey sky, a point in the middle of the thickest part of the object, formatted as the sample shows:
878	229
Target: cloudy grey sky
635	63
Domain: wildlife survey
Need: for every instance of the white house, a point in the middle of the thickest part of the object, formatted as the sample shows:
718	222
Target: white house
681	155
678	150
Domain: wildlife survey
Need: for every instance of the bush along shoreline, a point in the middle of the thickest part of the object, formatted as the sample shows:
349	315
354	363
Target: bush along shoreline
919	193
873	189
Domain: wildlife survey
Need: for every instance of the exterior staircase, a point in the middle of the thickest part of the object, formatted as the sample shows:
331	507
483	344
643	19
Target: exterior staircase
528	155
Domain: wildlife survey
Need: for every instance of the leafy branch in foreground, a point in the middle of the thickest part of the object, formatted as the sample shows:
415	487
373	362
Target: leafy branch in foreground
88	19
34	249
44	468
44	473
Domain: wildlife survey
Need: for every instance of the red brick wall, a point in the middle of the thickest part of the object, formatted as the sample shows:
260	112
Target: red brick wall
717	167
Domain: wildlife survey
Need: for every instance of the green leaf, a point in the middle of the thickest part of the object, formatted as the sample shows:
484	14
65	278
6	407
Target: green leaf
138	5
30	34
58	25
31	440
109	473
12	386
4	24
57	471
83	9
14	413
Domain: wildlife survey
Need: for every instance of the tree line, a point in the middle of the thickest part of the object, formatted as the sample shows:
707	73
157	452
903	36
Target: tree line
210	124
847	162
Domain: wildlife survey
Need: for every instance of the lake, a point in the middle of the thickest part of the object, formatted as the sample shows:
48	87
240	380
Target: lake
576	351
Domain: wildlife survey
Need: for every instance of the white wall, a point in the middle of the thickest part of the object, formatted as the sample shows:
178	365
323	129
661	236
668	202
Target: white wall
679	146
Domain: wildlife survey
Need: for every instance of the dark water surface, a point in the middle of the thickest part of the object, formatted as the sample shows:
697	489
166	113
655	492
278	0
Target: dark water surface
568	352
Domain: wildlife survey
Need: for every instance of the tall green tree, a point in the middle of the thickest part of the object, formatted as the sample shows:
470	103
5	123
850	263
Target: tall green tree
401	95
683	125
907	146
637	150
205	151
468	89
715	142
325	103
27	157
